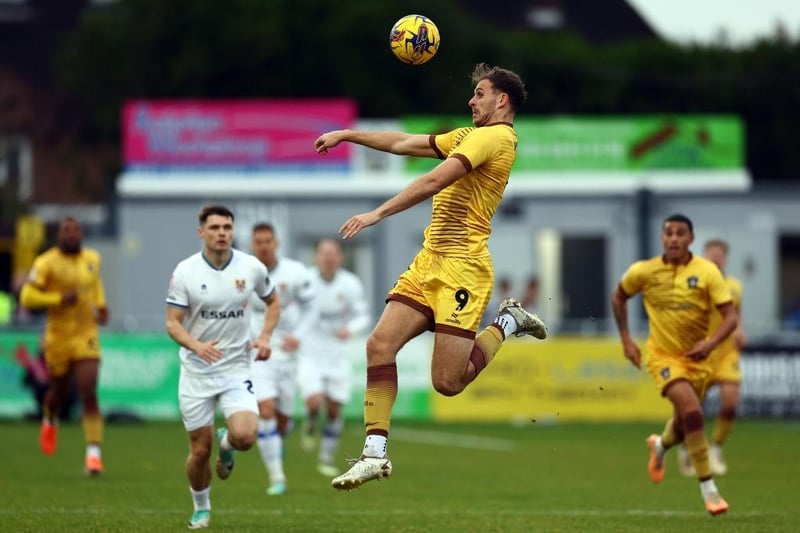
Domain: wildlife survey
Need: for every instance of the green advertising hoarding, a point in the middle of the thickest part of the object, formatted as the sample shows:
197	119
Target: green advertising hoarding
615	143
139	376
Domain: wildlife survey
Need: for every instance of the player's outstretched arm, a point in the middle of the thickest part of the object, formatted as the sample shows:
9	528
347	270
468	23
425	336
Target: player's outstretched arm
394	142
422	188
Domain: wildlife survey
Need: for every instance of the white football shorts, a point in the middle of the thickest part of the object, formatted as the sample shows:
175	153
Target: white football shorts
198	397
329	378
276	379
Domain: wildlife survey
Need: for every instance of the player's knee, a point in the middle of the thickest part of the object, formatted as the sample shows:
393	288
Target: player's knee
379	350
693	421
244	440
200	453
447	386
728	412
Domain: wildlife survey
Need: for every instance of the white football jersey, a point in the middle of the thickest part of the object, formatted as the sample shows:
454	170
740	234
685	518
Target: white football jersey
216	301
295	287
338	303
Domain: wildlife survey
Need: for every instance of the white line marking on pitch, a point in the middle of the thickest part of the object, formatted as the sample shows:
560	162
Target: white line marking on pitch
452	439
362	512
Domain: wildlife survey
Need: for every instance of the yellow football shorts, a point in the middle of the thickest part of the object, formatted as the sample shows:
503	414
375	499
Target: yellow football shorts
452	291
725	367
59	353
666	368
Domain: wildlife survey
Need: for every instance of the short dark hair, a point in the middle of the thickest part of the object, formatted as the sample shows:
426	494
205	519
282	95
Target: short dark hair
263	226
214	209
677	217
716	242
503	79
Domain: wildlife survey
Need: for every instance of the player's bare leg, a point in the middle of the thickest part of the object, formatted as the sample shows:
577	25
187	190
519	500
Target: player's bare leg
86	372
398	324
54	399
308	430
239	435
729	400
690	415
329	443
270	446
198	471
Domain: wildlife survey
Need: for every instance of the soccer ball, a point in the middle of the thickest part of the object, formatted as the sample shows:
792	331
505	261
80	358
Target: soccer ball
414	39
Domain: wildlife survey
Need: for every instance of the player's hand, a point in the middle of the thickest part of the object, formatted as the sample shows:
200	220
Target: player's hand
102	315
262	348
208	352
343	334
699	351
328	140
352	227
632	353
69	297
290	343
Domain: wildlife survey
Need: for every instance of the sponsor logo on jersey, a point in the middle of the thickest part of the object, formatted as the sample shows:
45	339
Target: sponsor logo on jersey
210	314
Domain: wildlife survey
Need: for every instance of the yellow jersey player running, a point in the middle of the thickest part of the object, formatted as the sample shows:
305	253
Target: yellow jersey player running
447	287
680	293
725	371
66	281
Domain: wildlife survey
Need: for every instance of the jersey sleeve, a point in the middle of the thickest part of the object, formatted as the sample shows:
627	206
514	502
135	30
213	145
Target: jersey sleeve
632	280
305	289
717	289
99	289
39	273
481	145
177	294
264	285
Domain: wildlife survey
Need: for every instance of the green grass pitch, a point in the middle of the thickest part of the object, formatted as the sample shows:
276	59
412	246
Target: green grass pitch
461	478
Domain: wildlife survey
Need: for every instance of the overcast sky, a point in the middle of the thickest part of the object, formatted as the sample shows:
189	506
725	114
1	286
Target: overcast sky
701	20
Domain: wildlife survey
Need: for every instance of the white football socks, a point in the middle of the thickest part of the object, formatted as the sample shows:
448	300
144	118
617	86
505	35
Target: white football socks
201	499
375	446
270	446
708	487
507	323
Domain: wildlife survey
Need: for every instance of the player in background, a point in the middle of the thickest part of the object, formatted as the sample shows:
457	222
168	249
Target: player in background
208	295
66	281
341	311
726	372
448	285
275	380
680	291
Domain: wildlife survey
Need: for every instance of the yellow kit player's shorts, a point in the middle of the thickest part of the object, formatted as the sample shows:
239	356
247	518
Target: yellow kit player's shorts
452	291
666	368
725	367
60	352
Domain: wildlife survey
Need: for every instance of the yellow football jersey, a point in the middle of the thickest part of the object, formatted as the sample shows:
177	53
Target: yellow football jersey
462	213
679	300
734	287
54	271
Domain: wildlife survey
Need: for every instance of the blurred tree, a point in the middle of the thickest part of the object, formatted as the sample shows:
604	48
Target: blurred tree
306	48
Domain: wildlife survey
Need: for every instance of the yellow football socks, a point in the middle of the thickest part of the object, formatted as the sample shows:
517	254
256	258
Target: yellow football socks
379	398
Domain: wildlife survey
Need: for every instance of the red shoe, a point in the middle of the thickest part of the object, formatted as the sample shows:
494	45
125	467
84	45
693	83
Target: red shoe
48	437
93	466
655	466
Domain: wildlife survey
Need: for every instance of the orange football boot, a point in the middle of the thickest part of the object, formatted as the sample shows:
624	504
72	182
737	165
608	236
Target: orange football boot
716	504
48	437
93	466
655	466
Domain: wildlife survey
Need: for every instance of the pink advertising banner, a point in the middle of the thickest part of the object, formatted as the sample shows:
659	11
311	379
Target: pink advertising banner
248	134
